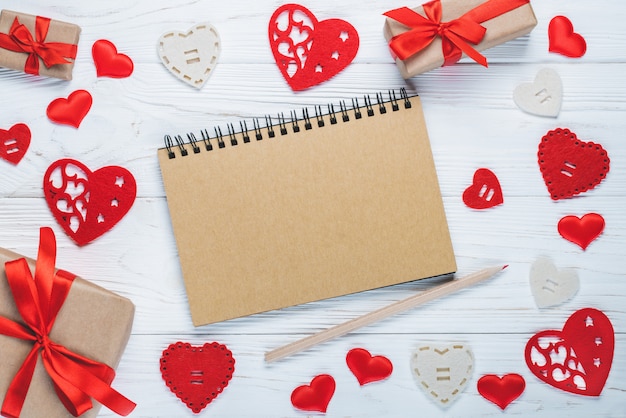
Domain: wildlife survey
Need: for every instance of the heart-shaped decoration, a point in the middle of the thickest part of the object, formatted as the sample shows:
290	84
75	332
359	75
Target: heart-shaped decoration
563	40
197	374
316	396
551	286
576	359
442	372
14	143
110	63
367	368
543	96
307	51
70	111
485	191
501	390
581	231
191	56
87	204
570	166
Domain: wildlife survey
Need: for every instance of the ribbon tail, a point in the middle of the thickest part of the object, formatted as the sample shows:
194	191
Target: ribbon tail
16	393
467	49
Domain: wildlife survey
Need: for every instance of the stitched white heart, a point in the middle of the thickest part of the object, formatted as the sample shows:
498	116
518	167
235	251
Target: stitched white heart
542	97
442	372
191	56
551	286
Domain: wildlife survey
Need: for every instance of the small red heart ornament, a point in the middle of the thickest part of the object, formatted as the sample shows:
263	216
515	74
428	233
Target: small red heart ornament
581	231
563	40
307	51
197	374
367	368
14	143
485	191
576	359
110	63
501	390
87	204
70	111
315	396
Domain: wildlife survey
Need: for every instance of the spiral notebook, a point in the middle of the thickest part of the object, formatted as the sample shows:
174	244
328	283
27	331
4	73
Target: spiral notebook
276	212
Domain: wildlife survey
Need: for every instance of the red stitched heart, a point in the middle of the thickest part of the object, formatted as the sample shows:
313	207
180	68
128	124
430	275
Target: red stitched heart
307	51
485	191
197	374
578	358
581	231
14	143
87	204
501	390
367	368
570	166
110	63
70	111
316	396
563	40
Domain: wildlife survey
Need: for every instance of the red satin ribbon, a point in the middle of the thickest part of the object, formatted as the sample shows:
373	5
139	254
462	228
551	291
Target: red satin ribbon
456	35
19	39
76	379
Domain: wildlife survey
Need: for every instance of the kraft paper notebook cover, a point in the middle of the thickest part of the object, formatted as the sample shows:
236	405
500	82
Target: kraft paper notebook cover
309	208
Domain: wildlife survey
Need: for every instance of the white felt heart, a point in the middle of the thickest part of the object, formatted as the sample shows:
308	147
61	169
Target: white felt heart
442	372
551	286
191	56
543	96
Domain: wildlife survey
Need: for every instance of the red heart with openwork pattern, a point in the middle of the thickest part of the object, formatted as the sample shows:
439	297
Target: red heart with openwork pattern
316	396
14	143
501	390
109	62
563	40
367	368
484	192
70	111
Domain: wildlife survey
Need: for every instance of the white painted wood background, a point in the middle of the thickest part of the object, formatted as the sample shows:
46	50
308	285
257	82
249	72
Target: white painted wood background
472	122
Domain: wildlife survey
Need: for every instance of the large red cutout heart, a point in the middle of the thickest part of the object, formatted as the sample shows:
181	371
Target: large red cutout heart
316	396
14	143
485	191
367	368
578	358
581	231
563	40
570	166
87	204
197	375
70	111
501	390
307	51
110	63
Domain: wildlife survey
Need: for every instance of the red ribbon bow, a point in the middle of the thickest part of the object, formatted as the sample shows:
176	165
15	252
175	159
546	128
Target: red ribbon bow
456	35
19	39
76	379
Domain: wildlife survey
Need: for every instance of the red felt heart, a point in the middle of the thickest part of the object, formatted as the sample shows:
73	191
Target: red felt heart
308	51
14	143
581	231
197	375
70	111
110	63
501	390
570	166
87	204
563	40
578	358
367	368
316	396
485	191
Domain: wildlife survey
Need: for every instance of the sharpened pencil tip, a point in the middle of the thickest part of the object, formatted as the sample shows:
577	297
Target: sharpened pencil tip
505	266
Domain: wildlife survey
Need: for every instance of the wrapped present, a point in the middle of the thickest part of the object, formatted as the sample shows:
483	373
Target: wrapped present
441	32
60	339
38	45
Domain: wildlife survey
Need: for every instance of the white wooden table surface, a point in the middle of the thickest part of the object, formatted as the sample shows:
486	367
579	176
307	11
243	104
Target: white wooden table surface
472	122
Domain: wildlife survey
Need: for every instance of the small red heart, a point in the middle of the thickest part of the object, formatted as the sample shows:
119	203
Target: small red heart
367	368
70	111
563	40
501	390
197	375
316	396
581	231
485	191
14	143
110	63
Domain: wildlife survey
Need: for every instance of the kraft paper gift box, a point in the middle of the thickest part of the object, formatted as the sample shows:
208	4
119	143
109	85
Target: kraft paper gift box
417	44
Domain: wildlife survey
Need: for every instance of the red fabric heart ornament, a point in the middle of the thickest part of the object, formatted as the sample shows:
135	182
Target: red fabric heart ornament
70	111
197	375
501	390
485	191
581	231
14	143
578	358
110	63
367	368
307	51
570	166
315	396
563	40
87	204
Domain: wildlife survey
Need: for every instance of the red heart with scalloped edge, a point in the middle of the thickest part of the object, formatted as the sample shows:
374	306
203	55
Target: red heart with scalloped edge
307	51
581	231
87	204
70	111
14	143
197	374
315	396
501	390
563	40
367	368
485	191
576	359
110	63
